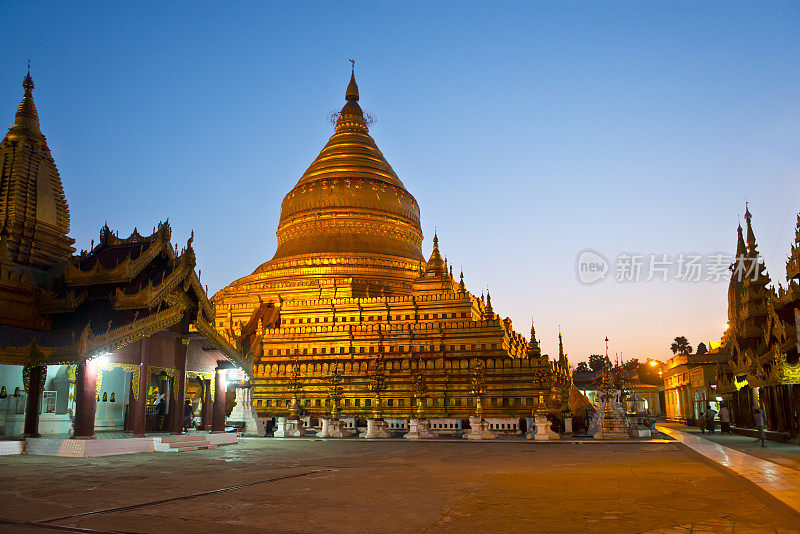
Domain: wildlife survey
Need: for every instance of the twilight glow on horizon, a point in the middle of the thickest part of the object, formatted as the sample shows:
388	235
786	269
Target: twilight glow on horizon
528	133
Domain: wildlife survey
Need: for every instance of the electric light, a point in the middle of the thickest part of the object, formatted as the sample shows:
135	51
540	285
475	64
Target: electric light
101	360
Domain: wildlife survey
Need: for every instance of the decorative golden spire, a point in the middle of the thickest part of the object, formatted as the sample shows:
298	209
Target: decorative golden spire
751	237
562	358
27	118
351	118
533	345
352	87
316	214
488	312
741	250
436	266
33	196
461	287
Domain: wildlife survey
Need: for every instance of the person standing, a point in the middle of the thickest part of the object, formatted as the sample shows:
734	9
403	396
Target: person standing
761	426
161	413
725	419
701	421
188	415
710	414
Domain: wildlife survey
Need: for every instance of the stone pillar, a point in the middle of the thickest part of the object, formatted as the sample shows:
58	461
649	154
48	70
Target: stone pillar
165	388
33	406
85	403
208	407
568	424
181	351
127	422
138	414
218	420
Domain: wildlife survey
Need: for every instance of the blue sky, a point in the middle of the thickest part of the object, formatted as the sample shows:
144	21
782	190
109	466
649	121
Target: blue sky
527	131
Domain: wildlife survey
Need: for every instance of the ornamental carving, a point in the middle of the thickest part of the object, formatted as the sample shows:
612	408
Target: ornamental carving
210	376
171	373
26	377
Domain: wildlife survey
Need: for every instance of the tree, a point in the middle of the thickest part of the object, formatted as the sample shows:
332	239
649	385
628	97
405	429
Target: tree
631	365
701	348
598	362
681	346
583	367
648	374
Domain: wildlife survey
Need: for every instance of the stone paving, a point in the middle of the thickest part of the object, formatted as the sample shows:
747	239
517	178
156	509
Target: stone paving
272	485
780	481
785	454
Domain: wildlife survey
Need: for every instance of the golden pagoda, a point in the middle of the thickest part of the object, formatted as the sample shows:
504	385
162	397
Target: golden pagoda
348	289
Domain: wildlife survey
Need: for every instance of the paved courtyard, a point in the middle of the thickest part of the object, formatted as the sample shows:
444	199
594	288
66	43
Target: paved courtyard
269	485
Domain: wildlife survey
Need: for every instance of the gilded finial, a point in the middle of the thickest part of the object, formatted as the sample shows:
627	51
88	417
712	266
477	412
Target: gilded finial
27	83
751	237
352	87
27	117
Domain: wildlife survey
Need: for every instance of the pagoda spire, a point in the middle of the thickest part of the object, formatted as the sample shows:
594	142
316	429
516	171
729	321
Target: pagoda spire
436	266
533	345
751	237
352	87
741	249
488	312
27	118
562	357
34	216
351	118
461	287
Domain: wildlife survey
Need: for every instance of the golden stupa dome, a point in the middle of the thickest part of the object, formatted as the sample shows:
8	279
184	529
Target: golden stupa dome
349	201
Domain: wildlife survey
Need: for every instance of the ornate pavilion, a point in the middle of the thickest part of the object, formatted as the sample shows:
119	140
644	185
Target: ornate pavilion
93	340
349	302
761	344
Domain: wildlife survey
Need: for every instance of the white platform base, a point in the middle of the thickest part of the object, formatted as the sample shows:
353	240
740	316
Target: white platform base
420	429
542	431
333	428
244	412
479	429
377	429
289	428
49	423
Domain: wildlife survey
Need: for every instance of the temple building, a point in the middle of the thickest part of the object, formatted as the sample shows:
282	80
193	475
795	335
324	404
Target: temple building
760	348
92	341
348	288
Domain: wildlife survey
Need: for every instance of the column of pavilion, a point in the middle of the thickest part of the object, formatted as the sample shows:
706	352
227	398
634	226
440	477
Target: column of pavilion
212	414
